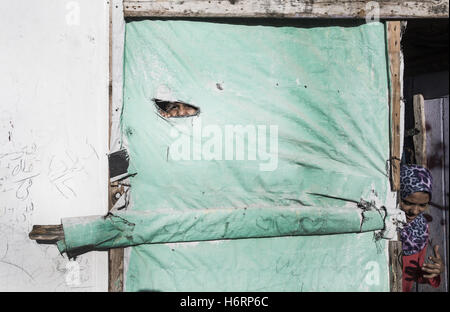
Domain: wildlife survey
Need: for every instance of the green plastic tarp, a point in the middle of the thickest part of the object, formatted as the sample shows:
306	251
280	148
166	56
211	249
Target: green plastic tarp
291	137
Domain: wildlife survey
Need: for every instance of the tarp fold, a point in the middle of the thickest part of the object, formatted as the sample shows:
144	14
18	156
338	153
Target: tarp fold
130	228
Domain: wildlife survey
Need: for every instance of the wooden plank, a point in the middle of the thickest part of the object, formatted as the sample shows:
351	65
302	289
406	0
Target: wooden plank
420	139
47	234
115	263
394	36
115	256
395	266
281	8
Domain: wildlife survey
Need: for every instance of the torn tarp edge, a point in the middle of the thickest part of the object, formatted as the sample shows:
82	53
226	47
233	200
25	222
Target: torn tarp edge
61	244
131	228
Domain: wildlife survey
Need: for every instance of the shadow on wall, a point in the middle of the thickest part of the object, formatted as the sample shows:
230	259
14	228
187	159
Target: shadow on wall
273	22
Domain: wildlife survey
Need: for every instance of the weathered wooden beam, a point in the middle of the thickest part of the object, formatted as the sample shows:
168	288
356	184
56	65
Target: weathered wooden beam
47	234
394	37
281	8
115	256
395	266
115	263
420	139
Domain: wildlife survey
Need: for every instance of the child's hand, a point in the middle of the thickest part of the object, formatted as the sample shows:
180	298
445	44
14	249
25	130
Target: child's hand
436	267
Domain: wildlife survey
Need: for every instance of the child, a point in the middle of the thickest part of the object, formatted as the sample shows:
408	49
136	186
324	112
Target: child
415	192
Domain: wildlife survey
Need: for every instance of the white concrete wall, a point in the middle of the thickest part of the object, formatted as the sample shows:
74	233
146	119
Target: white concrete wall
53	137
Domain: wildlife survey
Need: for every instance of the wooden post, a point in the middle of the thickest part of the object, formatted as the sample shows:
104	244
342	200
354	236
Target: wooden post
420	139
395	266
393	36
115	256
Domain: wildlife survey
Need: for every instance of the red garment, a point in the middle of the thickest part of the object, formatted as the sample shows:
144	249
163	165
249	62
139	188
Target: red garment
412	271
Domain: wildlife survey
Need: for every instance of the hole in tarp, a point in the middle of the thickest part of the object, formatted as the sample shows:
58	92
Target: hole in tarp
175	109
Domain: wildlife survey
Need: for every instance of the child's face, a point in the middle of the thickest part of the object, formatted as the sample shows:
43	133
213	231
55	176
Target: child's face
414	204
178	110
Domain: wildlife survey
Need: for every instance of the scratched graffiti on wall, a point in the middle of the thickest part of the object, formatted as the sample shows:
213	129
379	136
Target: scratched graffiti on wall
24	264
